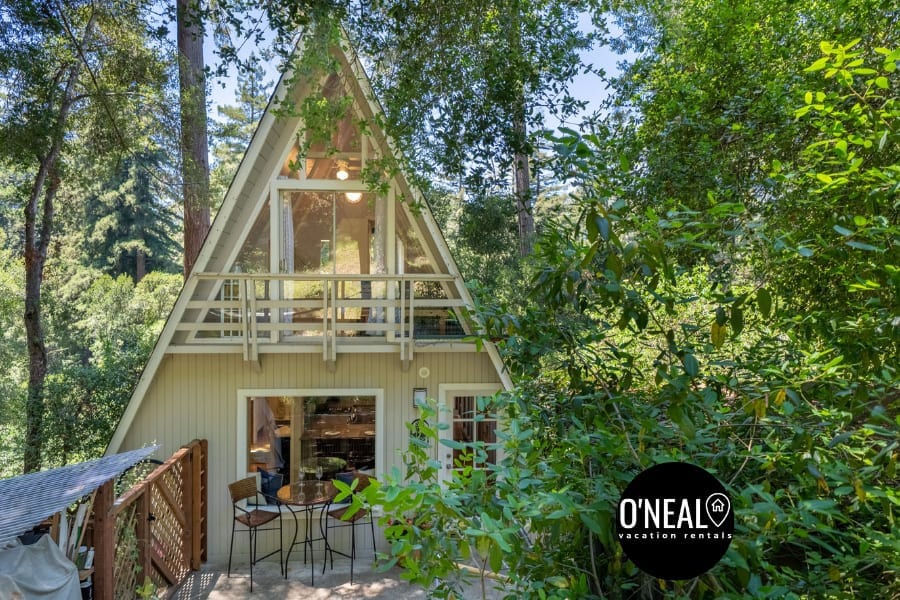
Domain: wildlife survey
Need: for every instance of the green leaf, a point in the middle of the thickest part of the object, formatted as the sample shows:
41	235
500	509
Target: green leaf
681	420
804	251
818	65
759	407
764	302
721	317
453	444
862	246
558	581
691	366
590	522
840	439
717	335
603	228
737	321
843	230
779	397
496	558
882	82
484	546
818	505
824	178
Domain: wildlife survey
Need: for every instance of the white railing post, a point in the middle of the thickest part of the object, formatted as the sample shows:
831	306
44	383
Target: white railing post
254	330
412	297
245	317
402	319
324	319
334	285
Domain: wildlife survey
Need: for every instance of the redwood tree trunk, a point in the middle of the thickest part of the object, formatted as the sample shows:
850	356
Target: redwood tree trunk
194	150
140	265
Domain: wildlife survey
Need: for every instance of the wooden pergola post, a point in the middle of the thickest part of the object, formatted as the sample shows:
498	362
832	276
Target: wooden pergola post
104	542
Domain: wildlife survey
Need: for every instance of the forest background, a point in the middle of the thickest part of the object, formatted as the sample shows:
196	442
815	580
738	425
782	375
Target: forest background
703	269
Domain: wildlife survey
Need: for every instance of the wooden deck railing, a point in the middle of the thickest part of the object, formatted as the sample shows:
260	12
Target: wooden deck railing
157	529
256	309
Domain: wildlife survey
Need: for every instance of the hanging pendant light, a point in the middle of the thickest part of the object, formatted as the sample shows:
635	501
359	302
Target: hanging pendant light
342	172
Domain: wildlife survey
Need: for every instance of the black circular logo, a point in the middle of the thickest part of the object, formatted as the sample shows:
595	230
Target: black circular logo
675	521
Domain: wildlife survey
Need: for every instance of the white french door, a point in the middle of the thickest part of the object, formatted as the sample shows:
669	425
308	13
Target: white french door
468	418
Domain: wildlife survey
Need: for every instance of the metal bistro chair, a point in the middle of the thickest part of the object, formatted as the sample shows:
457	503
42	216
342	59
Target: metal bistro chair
254	519
337	516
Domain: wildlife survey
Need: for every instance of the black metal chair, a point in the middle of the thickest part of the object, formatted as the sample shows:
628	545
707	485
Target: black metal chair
337	518
253	520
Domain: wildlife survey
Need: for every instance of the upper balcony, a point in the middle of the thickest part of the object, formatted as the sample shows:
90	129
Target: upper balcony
325	248
332	313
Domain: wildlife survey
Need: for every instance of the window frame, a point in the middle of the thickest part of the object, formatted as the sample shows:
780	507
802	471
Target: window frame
244	395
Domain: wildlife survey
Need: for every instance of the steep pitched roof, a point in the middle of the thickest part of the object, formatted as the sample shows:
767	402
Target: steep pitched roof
261	164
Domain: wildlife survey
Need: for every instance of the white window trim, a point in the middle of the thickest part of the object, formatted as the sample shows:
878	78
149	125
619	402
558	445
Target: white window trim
243	395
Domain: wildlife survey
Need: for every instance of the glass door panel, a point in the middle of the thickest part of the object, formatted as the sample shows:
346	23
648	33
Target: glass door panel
332	233
470	423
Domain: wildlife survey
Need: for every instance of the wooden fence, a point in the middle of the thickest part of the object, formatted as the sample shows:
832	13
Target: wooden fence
157	529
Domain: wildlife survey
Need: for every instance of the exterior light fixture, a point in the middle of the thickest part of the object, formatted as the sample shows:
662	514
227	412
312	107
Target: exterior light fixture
353	197
342	172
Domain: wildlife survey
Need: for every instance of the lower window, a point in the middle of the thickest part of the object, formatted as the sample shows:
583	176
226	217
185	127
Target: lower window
310	437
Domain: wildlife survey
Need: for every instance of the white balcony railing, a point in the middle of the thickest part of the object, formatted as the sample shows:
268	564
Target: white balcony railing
256	310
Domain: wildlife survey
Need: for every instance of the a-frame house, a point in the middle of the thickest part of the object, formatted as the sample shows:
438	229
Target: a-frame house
317	309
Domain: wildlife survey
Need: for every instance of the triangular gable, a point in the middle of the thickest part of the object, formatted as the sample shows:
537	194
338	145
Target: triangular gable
250	195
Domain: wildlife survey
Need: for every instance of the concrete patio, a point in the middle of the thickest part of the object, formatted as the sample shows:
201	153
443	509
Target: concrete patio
212	583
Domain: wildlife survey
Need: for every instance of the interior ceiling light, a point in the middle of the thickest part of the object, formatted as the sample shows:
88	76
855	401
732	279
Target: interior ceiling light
353	197
342	172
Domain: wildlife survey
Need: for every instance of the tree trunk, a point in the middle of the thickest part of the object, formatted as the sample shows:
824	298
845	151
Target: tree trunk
140	265
35	257
524	212
37	240
194	150
521	169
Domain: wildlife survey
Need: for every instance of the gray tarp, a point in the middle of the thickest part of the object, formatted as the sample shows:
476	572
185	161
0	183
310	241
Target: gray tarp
27	500
39	572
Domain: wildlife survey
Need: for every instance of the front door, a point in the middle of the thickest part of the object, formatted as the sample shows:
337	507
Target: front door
469	419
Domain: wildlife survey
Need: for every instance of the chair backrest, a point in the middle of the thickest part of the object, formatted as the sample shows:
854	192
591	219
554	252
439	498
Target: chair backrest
364	481
245	488
348	477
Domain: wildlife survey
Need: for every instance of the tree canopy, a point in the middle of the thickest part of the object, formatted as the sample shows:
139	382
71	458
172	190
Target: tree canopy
714	276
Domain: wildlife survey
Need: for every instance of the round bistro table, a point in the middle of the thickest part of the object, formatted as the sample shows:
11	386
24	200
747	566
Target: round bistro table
307	495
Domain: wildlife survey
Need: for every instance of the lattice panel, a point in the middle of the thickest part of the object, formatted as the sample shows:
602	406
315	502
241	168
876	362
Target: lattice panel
167	533
125	574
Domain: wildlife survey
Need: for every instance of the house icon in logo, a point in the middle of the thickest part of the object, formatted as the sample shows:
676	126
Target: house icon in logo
718	506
